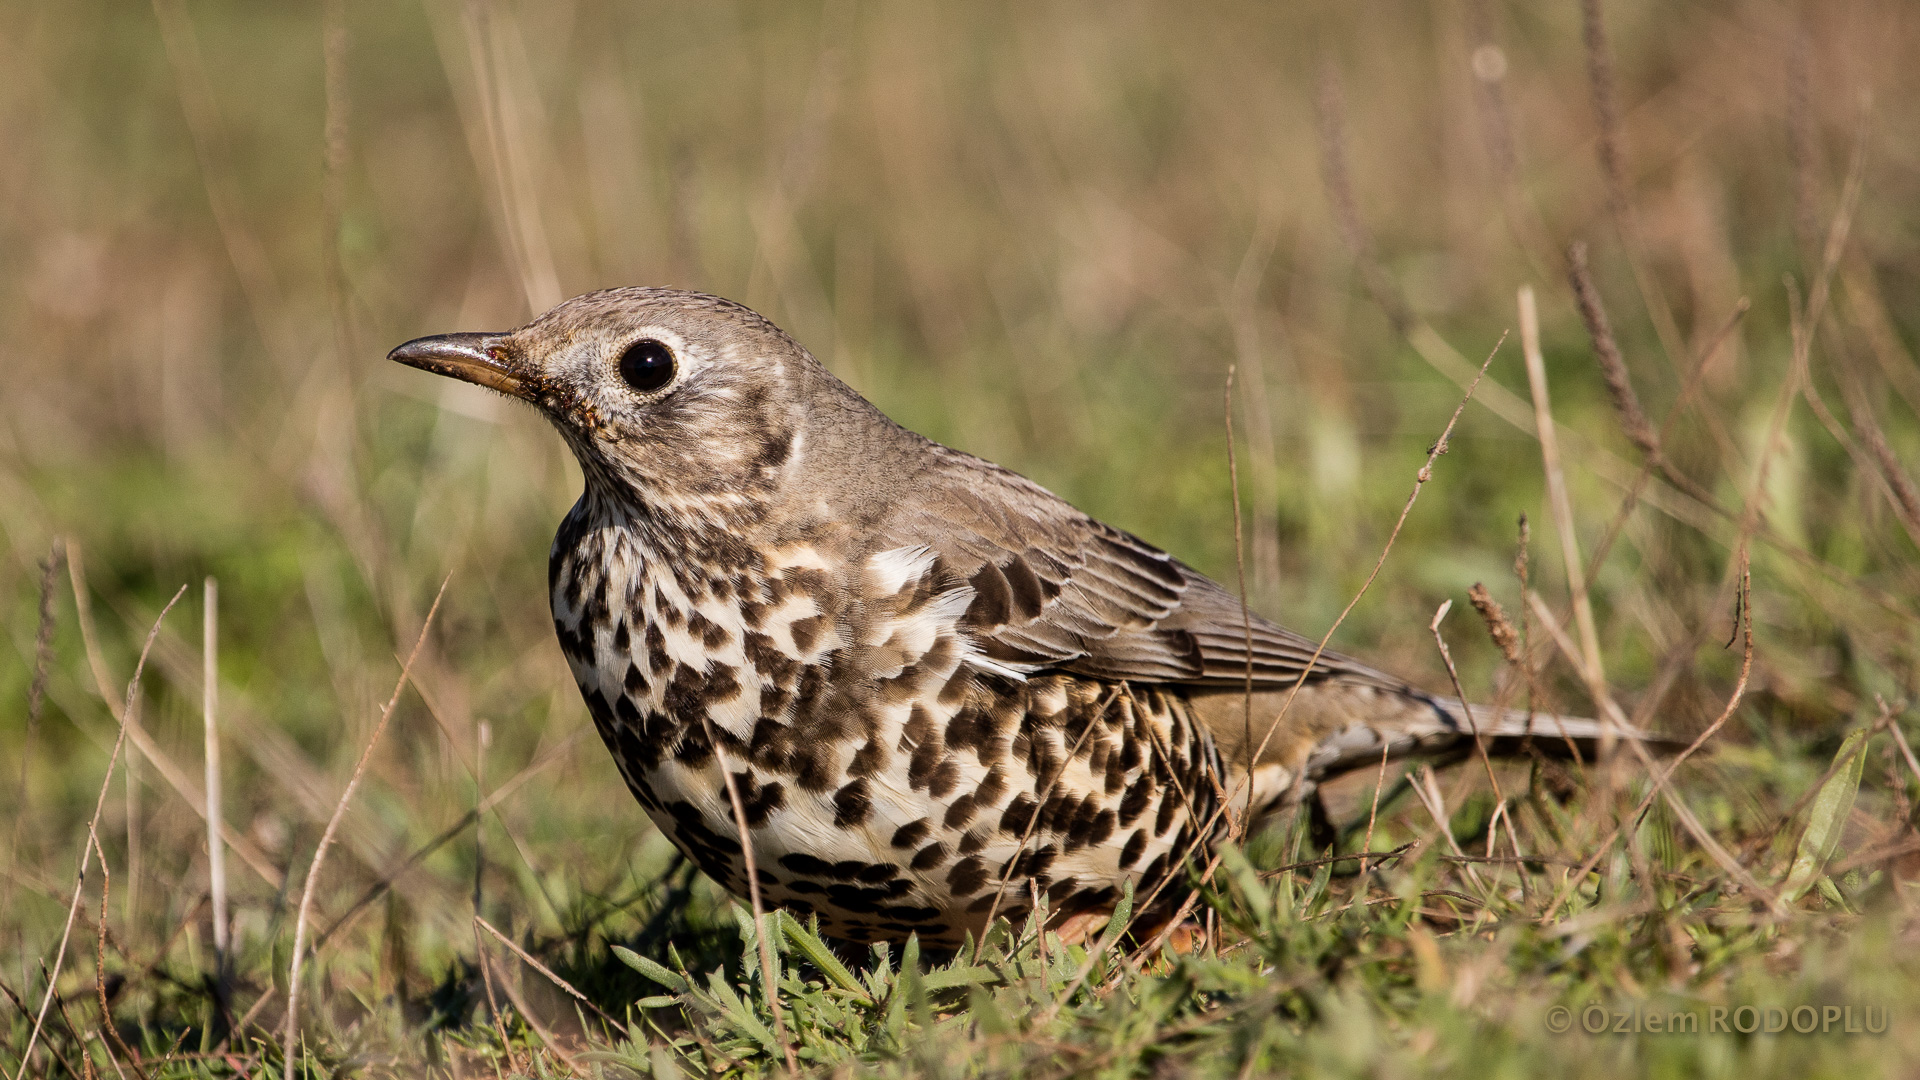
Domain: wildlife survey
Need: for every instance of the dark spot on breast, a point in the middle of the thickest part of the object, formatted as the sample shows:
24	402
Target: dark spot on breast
1035	863
813	763
968	876
657	659
635	682
1018	815
992	787
911	833
926	757
637	754
1086	824
960	813
855	899
910	914
970	728
711	633
760	802
1116	775
944	779
1060	890
1164	820
806	632
918	730
1057	814
852	804
805	865
597	707
1089	900
1135	802
928	857
975	839
868	760
1136	847
722	684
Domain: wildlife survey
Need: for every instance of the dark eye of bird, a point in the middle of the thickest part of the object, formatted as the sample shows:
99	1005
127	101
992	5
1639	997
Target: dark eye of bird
647	365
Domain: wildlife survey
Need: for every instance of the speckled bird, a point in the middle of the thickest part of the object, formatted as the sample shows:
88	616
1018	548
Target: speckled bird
941	691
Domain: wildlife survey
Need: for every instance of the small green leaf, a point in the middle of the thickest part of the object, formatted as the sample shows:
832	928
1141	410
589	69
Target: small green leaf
960	975
1827	817
817	952
651	969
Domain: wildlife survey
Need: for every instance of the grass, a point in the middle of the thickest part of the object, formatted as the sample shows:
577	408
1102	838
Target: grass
1042	236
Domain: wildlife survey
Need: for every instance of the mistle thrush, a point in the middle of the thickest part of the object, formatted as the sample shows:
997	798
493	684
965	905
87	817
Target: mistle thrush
941	690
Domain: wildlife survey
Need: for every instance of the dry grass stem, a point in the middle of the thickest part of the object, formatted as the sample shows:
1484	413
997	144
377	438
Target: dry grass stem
548	972
1613	367
769	982
111	1030
1479	743
42	659
1561	505
209	715
1246	616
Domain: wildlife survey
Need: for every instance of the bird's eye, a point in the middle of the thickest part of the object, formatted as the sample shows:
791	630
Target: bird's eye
647	365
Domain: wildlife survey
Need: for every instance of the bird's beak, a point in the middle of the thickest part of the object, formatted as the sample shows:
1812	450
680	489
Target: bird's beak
482	359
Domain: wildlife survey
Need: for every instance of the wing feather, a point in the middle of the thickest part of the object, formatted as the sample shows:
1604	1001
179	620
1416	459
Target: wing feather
1056	588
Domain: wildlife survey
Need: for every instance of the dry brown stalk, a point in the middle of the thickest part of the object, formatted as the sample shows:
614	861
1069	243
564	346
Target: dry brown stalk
1373	812
209	715
42	659
326	840
107	1025
93	824
1613	368
1479	743
1246	617
1562	506
548	972
1498	627
1593	34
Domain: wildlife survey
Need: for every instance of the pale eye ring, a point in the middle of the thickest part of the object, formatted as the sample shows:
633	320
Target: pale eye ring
647	366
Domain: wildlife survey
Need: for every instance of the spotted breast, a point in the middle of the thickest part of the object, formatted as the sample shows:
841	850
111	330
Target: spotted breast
895	779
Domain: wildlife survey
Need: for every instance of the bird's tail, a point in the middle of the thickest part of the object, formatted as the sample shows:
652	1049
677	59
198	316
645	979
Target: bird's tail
1445	727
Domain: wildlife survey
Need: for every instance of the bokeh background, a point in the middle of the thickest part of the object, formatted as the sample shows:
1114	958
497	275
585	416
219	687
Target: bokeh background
1040	232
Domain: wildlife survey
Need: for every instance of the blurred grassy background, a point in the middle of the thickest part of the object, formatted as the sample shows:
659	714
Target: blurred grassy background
1038	232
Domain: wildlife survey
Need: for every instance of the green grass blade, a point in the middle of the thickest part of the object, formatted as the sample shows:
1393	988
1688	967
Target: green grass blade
1827	817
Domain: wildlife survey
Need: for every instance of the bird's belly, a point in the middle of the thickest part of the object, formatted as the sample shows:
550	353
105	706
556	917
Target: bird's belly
1058	788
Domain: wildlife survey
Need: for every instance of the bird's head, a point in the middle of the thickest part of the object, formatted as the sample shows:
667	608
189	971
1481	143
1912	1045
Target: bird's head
691	406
